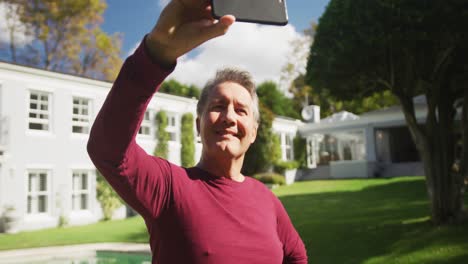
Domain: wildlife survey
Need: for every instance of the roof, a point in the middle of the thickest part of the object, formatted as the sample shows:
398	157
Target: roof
346	121
340	116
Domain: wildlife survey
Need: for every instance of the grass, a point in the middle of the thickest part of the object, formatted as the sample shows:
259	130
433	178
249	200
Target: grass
371	221
127	230
341	221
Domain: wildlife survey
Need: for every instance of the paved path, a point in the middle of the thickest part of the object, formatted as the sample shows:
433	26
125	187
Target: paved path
79	251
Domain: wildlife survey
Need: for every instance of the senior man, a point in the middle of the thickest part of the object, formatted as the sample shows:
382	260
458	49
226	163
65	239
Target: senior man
209	213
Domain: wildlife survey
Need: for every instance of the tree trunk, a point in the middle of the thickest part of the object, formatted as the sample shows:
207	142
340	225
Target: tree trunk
436	146
463	164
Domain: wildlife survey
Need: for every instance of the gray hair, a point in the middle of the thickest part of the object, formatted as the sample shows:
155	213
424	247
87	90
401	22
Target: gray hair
241	77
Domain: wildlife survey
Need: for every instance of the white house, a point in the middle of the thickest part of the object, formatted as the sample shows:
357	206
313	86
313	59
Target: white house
374	144
45	118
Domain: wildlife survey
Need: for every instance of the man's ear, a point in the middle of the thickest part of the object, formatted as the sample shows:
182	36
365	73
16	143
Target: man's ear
197	122
254	133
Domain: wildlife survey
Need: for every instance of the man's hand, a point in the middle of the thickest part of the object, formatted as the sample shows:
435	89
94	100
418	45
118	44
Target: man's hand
182	26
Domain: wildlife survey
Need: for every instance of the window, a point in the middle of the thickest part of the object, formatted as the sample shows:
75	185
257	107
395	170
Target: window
287	146
145	128
81	115
346	145
80	191
38	191
311	163
172	127
39	111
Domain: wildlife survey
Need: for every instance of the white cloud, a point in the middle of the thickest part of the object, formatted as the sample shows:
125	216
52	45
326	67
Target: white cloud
10	18
262	50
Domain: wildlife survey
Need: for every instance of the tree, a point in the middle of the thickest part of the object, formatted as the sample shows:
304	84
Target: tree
162	136
262	154
273	99
297	57
13	27
403	46
303	94
176	88
188	141
65	36
99	58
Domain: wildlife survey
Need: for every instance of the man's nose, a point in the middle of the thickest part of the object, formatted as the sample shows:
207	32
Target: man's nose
230	116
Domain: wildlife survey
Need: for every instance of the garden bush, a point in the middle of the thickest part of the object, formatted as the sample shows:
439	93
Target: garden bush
270	178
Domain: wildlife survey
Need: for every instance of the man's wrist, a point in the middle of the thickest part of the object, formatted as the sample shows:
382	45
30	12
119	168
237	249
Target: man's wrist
158	53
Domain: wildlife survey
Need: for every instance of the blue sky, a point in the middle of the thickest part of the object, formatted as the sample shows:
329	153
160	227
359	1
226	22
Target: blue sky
135	18
262	50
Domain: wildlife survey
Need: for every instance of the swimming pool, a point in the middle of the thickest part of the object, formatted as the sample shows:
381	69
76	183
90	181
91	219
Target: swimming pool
101	253
101	257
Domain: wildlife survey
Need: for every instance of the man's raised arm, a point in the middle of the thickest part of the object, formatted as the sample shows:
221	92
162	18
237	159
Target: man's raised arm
182	26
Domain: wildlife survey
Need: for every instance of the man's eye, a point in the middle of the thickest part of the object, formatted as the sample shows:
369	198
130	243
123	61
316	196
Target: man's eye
241	110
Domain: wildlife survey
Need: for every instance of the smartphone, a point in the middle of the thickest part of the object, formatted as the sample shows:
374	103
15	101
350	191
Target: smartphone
269	12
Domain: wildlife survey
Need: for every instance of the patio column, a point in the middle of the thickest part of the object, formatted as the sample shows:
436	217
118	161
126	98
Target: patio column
370	144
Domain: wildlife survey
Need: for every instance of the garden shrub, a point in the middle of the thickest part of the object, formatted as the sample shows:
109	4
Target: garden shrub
162	136
187	152
270	178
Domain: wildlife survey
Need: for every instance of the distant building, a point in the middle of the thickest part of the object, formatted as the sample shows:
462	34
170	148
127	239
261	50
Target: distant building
374	144
45	119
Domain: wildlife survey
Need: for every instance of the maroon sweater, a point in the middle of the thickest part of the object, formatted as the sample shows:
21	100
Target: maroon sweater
191	215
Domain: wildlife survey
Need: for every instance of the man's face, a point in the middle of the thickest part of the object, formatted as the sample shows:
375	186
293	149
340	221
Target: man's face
227	125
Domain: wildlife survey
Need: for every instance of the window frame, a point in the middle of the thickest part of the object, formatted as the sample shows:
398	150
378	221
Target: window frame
37	120
79	192
84	120
147	124
287	148
33	190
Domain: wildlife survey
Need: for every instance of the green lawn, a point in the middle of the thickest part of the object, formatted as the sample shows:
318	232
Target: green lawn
341	221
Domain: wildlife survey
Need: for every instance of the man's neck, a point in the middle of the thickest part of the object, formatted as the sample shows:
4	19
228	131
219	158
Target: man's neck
228	168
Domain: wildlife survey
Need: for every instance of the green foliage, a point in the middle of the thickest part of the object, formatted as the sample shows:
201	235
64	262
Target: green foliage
162	136
275	149
304	94
362	47
300	151
281	166
270	178
261	155
273	99
372	102
176	88
187	141
66	37
106	196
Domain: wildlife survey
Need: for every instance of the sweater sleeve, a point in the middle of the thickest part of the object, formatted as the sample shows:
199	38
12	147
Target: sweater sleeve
143	181
293	248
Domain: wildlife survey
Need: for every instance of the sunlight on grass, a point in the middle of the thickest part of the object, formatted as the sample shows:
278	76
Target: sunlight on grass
323	186
416	220
128	230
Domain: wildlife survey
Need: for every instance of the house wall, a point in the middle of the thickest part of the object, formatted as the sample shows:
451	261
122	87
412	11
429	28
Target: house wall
349	169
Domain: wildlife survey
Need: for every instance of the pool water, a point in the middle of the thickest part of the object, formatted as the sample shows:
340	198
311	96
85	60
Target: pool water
103	257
